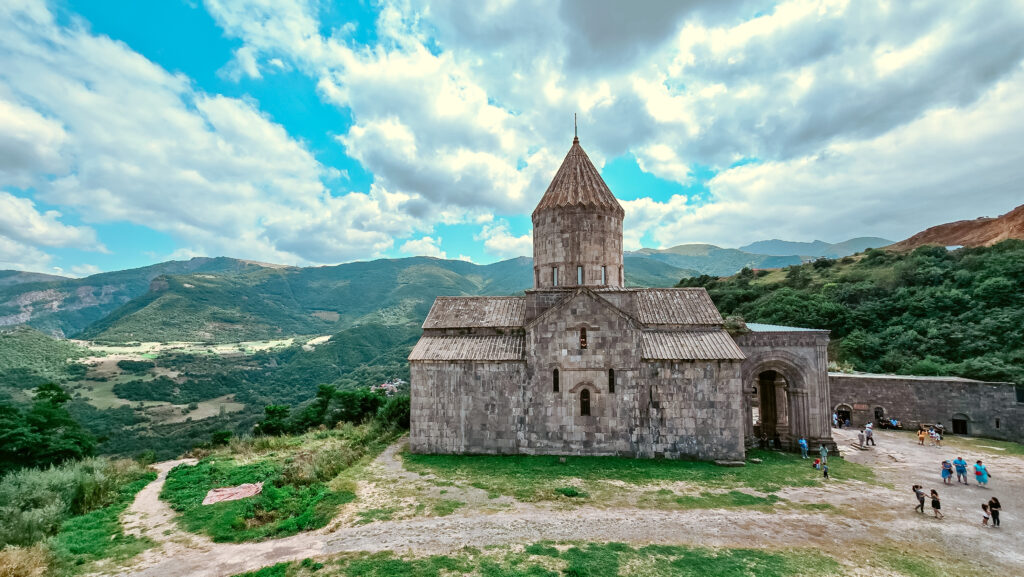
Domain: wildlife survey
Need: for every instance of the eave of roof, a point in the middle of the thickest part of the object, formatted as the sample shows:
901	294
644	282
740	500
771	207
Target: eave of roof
469	348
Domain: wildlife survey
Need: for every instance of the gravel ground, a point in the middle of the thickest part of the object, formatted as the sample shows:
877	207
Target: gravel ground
868	516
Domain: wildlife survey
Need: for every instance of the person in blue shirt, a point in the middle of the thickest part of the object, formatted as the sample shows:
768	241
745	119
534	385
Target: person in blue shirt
961	470
803	447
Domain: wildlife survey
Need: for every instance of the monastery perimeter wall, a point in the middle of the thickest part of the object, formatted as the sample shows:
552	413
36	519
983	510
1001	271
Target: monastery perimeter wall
989	409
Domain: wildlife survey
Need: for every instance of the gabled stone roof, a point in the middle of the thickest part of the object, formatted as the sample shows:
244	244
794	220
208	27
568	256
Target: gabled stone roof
578	184
681	306
473	312
690	345
469	348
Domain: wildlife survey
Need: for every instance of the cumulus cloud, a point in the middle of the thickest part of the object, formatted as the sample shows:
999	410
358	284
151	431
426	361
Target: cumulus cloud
21	222
426	246
836	107
498	241
129	141
470	107
893	185
30	144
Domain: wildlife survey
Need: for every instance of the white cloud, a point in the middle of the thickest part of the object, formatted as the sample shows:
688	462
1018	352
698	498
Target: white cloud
17	256
463	116
426	246
139	144
893	185
21	223
471	107
498	241
30	144
83	270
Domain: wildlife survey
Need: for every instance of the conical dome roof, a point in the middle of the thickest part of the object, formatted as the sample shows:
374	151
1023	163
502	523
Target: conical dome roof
578	184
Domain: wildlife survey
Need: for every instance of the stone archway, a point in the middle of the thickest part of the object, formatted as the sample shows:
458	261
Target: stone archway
776	399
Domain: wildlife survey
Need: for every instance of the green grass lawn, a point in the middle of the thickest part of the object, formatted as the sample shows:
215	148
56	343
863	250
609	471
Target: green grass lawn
305	479
98	535
282	508
578	560
537	478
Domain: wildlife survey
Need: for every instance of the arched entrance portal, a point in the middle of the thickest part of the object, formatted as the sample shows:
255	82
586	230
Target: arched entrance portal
771	409
845	413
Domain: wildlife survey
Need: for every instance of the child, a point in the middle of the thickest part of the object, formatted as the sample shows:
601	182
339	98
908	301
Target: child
920	436
984	515
824	470
936	505
817	463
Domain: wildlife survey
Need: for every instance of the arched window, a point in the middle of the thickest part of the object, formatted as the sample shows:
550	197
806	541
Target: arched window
554	381
604	278
585	403
611	380
583	337
554	276
579	275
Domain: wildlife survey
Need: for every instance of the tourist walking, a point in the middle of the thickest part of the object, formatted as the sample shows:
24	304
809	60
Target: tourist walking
984	515
981	474
961	470
860	438
936	505
919	493
869	434
994	508
803	447
835	420
823	451
947	473
920	436
938	438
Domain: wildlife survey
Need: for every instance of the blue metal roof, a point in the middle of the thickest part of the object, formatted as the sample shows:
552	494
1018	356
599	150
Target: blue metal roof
760	328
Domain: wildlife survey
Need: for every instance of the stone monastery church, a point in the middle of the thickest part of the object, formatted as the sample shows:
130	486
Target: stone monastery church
583	365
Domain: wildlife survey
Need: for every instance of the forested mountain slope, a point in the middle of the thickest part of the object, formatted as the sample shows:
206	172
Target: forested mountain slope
927	312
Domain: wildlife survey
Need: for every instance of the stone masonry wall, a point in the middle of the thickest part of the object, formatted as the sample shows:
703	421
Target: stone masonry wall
568	238
930	400
690	410
465	407
553	342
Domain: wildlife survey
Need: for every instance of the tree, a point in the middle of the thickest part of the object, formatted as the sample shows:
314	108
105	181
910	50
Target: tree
44	435
275	420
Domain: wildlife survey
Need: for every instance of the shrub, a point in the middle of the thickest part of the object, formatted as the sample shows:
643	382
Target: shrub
571	492
35	502
395	412
135	366
24	561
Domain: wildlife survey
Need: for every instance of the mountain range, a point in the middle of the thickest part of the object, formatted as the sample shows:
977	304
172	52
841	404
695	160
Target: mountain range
223	299
776	247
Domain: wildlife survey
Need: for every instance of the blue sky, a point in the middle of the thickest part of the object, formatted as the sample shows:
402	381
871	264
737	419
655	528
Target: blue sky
308	133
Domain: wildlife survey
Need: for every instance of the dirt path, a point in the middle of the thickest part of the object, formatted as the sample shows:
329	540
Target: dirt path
870	515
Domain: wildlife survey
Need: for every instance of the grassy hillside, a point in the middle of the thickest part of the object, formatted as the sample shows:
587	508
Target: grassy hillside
712	260
28	358
816	248
929	312
65	306
262	303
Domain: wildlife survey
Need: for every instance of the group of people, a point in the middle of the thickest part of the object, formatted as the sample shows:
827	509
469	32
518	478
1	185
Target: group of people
839	422
989	510
933	434
866	436
981	474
